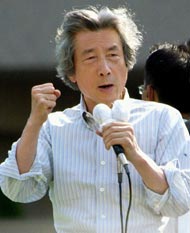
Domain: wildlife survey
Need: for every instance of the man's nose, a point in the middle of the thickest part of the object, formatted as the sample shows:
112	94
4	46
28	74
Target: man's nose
104	68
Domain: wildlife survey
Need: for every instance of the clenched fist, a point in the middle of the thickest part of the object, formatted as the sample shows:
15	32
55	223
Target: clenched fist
44	98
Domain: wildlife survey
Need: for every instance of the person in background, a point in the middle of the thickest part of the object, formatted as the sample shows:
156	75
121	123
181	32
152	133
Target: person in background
167	77
60	152
167	80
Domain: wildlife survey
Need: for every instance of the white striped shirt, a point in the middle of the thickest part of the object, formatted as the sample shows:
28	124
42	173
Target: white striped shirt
81	175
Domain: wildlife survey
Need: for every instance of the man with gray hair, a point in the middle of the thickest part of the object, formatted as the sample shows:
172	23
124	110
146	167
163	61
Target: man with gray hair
66	154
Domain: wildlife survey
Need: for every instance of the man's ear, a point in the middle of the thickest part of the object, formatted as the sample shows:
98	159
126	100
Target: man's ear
73	78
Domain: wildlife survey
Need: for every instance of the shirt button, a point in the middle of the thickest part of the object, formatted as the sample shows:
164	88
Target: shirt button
102	162
101	189
103	216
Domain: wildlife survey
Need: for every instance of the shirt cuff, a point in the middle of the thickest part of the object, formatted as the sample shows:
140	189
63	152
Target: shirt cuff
176	197
156	201
9	168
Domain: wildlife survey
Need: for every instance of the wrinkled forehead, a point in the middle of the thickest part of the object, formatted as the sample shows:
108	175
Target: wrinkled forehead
88	41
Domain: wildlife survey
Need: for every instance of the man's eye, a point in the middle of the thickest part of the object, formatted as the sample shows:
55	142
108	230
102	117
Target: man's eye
91	57
113	55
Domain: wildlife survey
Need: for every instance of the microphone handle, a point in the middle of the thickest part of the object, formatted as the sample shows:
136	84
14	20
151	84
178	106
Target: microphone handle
118	149
120	155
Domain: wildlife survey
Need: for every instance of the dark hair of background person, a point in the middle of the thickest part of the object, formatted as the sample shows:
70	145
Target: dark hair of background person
167	70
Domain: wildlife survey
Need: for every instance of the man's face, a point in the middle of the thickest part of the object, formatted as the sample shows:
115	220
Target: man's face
100	69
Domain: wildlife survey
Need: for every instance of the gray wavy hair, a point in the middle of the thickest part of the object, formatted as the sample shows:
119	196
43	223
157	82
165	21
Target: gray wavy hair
93	19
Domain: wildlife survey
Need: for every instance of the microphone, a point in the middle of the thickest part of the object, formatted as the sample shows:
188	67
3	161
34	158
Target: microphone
103	115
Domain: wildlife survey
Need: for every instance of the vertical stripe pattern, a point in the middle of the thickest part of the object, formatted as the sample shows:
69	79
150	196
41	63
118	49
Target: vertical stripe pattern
81	174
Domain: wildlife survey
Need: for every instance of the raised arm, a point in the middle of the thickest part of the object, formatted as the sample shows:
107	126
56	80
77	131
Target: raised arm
43	100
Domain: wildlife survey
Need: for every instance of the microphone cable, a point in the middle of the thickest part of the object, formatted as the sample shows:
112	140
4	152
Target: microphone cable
130	197
120	178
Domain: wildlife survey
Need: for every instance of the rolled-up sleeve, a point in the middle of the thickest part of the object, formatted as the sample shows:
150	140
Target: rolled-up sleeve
172	154
179	187
176	200
30	186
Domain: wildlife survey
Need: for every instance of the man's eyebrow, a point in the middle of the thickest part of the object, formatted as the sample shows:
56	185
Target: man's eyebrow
87	51
113	48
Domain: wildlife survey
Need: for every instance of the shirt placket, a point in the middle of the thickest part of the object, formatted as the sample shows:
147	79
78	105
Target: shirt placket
101	174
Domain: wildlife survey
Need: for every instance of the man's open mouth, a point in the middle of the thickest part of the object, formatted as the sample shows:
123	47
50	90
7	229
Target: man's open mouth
106	86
